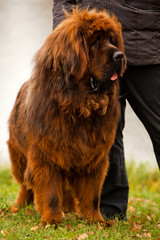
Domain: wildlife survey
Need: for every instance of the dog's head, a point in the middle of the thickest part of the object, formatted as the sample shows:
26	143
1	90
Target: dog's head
87	49
107	59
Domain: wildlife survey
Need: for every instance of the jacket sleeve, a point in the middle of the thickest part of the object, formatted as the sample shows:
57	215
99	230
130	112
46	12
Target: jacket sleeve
58	14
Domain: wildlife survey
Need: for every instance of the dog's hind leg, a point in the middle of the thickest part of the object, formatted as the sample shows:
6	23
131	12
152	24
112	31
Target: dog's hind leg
25	197
18	166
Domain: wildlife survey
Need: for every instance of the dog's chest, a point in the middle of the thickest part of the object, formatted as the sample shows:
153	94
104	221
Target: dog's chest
79	143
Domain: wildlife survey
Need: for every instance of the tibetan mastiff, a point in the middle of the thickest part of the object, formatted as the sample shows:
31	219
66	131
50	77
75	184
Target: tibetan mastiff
64	119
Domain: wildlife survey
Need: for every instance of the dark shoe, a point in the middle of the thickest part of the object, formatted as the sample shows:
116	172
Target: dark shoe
109	215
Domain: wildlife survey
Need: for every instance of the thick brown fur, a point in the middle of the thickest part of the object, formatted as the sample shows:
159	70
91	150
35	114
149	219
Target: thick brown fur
61	127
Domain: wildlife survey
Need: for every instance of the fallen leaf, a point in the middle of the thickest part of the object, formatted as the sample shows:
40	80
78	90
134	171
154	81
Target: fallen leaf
130	202
107	234
83	236
4	233
67	226
112	222
34	228
99	227
47	226
138	235
139	199
147	235
130	220
11	230
149	218
131	209
91	233
126	223
139	227
29	212
134	229
80	225
1	213
139	222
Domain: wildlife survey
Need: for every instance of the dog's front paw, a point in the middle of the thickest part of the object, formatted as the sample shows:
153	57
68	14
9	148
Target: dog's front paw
51	219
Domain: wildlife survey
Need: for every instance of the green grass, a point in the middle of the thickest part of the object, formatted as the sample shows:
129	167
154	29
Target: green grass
143	213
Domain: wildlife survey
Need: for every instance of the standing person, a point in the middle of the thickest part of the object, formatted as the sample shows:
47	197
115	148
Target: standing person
140	85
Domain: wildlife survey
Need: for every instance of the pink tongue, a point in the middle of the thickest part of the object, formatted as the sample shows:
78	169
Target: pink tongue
114	77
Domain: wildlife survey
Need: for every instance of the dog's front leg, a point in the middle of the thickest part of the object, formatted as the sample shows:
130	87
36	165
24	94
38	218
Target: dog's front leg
87	187
47	187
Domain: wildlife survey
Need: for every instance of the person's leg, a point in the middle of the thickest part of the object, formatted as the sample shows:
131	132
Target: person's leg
144	97
114	196
143	94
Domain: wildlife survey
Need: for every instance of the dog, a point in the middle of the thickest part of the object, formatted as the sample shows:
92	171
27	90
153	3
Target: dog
64	119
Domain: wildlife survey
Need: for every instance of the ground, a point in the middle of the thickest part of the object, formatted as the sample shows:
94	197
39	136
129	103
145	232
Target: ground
143	213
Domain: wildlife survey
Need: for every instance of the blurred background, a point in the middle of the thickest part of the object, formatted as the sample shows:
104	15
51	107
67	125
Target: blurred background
24	25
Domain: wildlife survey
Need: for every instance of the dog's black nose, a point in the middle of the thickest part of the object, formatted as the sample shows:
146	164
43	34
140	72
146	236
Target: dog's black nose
118	55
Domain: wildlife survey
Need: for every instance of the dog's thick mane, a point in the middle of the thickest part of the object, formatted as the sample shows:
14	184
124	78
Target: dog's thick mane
61	63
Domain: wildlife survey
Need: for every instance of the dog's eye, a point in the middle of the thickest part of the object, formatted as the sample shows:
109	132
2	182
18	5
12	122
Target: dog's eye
111	40
95	44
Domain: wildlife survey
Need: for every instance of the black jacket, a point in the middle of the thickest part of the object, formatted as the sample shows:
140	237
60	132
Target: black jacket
140	20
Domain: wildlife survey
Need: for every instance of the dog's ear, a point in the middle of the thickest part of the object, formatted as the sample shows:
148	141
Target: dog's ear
77	56
72	53
66	51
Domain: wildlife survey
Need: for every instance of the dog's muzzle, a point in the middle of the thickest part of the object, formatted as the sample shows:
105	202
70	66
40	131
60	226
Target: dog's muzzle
112	75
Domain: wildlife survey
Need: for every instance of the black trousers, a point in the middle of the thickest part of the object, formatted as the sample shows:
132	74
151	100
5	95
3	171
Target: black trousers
141	87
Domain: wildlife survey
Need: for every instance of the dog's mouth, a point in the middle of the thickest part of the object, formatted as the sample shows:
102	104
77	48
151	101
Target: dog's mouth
114	77
96	84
